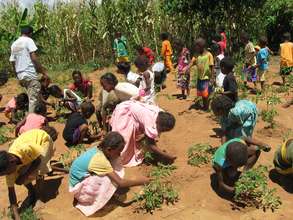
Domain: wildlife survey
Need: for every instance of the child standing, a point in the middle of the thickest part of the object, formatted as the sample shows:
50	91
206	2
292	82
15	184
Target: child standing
96	174
234	154
14	106
218	56
167	52
229	83
184	71
81	86
205	68
120	48
262	62
286	53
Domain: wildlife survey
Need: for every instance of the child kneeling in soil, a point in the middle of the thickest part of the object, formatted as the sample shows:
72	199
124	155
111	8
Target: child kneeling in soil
96	174
233	154
14	106
76	129
283	159
27	159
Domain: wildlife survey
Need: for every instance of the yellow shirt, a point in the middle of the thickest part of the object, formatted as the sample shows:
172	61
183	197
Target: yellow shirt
286	54
204	62
99	164
28	147
166	49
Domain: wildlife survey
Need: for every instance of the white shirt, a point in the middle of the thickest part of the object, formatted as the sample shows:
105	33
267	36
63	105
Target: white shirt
20	54
150	96
158	67
125	91
132	77
219	75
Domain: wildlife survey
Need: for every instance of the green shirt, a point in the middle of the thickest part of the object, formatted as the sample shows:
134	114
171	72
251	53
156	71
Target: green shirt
120	46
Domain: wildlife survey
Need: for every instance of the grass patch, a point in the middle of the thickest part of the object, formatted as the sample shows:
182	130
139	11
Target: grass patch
199	154
29	214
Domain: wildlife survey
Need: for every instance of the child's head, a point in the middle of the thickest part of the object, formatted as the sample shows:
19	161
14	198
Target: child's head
87	109
141	63
51	132
236	154
215	48
227	65
41	109
118	34
287	36
77	77
139	49
21	101
165	122
56	91
108	81
112	145
164	36
244	37
221	105
123	67
263	41
8	163
45	82
221	29
178	45
200	44
27	30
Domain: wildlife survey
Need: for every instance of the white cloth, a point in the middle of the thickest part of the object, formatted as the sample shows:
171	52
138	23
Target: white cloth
158	67
149	98
79	100
20	54
125	91
219	75
132	77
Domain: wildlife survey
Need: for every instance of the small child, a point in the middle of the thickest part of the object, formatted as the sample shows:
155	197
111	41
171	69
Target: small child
216	50
146	52
120	48
283	159
76	128
205	67
167	52
183	78
219	40
286	57
45	90
160	75
229	83
96	174
233	154
131	77
147	84
35	120
15	106
81	86
27	158
262	62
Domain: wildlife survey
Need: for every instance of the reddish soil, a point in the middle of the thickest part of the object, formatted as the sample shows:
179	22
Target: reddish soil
198	200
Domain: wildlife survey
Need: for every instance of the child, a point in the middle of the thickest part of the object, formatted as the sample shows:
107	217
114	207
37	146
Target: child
76	128
160	75
35	120
233	154
221	43
81	86
184	71
96	174
120	48
27	158
249	70
15	106
146	52
45	90
223	35
283	159
167	52
218	57
262	61
131	77
205	67
229	83
147	84
286	59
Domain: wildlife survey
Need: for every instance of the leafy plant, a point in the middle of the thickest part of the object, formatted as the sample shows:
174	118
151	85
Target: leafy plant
270	113
252	190
148	157
199	154
29	214
3	134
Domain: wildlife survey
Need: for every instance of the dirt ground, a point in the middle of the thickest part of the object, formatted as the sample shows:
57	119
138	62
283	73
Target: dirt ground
198	200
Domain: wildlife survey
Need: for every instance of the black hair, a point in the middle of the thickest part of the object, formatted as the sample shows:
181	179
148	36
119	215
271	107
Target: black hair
166	121
112	140
179	45
201	42
228	63
221	29
222	103
110	78
3	77
40	108
164	36
245	36
51	131
139	48
87	109
26	30
287	36
4	160
124	67
263	41
55	91
218	37
22	100
76	72
237	154
142	62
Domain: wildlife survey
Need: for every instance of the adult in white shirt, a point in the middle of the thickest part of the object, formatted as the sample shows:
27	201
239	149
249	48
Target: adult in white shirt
26	66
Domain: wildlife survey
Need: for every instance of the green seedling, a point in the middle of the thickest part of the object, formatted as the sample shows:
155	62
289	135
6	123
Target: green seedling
29	214
200	154
252	190
270	113
3	134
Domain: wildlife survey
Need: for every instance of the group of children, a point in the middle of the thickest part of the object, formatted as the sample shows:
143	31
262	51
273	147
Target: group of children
128	115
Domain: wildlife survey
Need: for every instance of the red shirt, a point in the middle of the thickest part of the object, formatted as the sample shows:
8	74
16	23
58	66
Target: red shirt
83	88
149	54
224	39
222	46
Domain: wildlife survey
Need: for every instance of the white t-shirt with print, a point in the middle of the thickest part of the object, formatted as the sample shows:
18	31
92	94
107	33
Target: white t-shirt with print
125	91
20	54
219	75
132	77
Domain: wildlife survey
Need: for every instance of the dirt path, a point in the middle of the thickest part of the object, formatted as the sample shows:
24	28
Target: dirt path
197	198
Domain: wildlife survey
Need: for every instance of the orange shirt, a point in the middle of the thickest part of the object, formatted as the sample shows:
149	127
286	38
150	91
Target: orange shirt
286	54
166	49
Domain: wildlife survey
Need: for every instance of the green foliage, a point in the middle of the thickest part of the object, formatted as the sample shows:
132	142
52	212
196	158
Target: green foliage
270	113
3	134
199	154
29	214
148	157
252	190
68	157
158	191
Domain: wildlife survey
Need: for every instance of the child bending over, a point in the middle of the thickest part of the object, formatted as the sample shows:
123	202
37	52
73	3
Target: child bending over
15	106
233	154
27	159
96	174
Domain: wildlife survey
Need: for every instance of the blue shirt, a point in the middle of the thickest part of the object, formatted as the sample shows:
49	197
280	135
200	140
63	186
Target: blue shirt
263	59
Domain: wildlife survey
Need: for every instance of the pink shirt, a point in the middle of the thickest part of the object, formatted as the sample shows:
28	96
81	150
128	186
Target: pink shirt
33	121
10	105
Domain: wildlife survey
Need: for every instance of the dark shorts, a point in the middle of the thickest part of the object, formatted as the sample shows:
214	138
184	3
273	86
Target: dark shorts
76	136
285	71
